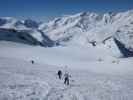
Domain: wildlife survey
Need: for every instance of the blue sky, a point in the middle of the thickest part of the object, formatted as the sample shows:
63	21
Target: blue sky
45	9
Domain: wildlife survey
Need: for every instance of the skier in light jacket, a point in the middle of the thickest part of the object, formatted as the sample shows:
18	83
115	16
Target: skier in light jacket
67	78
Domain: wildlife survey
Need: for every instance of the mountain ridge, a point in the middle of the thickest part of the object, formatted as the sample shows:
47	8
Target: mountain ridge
85	28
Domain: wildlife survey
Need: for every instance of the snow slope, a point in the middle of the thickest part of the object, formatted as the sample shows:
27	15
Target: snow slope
107	78
73	56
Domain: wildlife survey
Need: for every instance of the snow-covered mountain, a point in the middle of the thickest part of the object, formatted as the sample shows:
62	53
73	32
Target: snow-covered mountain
25	31
86	29
11	23
79	25
92	29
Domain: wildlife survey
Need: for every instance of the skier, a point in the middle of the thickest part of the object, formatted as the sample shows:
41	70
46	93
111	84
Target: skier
32	61
66	78
59	74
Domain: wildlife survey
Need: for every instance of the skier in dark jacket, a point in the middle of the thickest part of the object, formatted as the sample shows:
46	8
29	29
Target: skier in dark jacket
32	61
59	74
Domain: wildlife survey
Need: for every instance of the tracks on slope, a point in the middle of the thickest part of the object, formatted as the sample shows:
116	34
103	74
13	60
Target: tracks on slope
64	93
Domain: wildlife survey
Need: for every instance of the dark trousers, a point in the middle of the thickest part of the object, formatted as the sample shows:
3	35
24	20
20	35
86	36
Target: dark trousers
59	76
66	81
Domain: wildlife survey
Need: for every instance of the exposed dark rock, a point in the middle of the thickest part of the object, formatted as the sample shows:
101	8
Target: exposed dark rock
125	51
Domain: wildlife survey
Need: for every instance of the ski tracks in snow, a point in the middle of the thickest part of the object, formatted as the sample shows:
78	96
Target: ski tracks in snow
63	93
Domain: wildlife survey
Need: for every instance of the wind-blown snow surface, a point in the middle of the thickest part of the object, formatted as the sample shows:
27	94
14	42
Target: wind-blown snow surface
96	75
